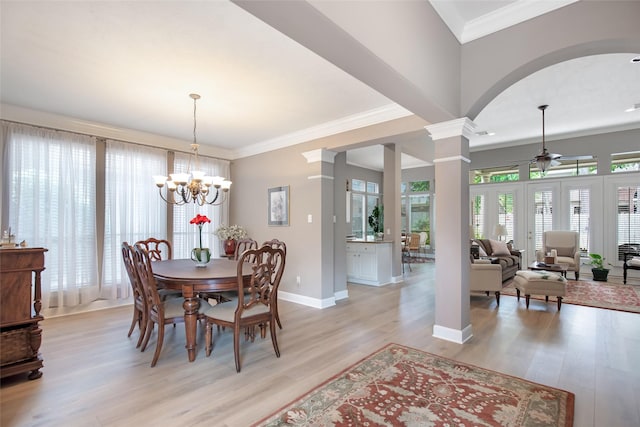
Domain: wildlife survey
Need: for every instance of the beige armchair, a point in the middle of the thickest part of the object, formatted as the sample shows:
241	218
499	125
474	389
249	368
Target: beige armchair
565	246
486	277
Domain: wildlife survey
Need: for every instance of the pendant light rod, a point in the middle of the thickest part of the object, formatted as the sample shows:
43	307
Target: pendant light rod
542	108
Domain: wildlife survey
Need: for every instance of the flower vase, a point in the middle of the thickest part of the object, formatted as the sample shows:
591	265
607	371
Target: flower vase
229	247
201	256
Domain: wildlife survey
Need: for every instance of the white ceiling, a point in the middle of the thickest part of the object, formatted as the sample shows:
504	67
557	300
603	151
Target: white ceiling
132	65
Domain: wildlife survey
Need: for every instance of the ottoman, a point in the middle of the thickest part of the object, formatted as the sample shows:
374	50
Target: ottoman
540	283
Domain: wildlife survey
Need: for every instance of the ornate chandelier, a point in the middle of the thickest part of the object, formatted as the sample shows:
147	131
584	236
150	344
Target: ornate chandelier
193	186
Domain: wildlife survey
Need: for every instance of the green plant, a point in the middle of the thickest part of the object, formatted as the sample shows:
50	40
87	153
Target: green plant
376	219
597	261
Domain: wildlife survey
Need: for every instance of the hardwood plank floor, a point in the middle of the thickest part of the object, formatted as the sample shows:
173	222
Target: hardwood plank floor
94	375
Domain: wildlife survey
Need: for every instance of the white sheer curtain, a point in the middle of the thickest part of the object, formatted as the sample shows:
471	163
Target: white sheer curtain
49	200
133	209
185	235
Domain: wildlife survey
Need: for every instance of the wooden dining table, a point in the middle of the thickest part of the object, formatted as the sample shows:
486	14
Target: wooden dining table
183	275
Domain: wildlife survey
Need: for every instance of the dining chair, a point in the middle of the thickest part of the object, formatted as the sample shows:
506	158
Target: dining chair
241	246
254	304
160	312
139	301
414	243
159	249
277	244
244	245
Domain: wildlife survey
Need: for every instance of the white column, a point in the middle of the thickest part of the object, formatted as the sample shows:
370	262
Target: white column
451	140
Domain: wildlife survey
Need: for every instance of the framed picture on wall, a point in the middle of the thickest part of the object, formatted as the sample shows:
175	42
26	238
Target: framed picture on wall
278	206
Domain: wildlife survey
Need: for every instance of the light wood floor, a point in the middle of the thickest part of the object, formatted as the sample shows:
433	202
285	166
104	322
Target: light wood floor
94	376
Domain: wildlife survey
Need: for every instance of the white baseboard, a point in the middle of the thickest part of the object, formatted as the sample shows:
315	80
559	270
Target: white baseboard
341	295
308	301
453	335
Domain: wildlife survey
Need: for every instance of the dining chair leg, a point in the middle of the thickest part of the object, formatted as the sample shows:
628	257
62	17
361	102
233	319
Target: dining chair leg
274	341
159	342
275	312
208	345
143	328
136	319
236	345
147	335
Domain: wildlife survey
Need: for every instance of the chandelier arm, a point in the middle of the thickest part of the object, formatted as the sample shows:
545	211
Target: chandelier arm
177	201
222	200
166	199
185	195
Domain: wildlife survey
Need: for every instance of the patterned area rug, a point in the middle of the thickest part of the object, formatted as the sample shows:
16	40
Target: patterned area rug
401	386
595	294
419	260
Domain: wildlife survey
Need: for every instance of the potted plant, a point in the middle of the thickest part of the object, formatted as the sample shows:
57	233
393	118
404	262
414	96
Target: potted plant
229	234
598	270
376	222
201	256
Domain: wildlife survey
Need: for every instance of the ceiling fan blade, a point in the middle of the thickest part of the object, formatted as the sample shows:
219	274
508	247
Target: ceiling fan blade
554	162
577	157
554	156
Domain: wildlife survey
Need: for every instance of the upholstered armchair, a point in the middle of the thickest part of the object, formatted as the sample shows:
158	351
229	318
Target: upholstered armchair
486	277
564	246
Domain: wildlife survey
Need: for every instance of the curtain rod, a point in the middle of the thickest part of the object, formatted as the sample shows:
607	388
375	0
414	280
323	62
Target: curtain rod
105	138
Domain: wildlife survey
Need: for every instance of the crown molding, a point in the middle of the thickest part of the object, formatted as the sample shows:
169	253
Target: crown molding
355	121
507	16
457	127
319	155
512	14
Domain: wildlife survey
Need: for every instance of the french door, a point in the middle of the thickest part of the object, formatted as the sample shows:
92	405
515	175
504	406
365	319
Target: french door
573	204
541	215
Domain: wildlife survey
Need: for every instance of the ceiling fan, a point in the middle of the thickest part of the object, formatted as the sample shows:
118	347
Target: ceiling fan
545	160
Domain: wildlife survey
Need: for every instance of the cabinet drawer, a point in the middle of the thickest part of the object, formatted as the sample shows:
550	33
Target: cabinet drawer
15	346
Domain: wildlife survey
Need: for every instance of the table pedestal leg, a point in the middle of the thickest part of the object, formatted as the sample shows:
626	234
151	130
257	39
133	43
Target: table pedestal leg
191	305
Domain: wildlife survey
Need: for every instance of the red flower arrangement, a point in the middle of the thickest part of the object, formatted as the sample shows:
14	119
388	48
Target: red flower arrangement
200	220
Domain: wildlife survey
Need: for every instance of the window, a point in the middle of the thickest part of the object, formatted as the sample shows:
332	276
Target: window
364	197
416	208
579	207
133	209
51	186
185	235
505	213
628	218
566	168
625	162
51	200
477	216
543	215
491	175
358	227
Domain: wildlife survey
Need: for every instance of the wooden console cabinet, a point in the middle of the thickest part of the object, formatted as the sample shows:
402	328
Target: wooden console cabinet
20	294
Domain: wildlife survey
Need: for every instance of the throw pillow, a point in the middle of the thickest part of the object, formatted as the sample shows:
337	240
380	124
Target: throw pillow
481	250
570	251
499	248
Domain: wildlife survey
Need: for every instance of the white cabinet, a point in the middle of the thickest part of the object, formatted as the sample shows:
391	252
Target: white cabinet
369	263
